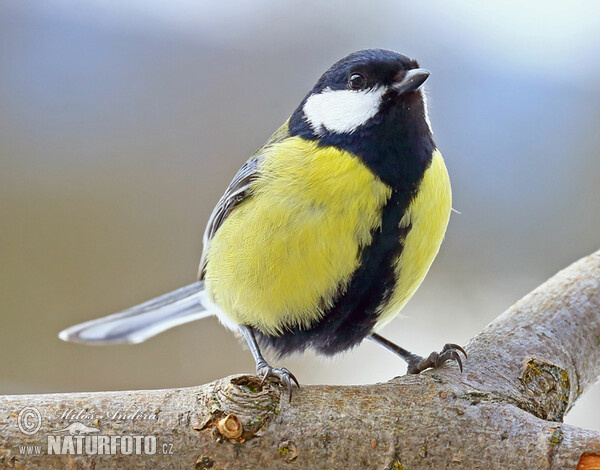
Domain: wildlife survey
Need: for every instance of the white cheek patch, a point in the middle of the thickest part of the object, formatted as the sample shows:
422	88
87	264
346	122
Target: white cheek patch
341	111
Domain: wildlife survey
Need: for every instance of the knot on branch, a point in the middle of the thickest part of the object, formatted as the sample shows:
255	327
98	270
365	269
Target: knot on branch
548	386
239	408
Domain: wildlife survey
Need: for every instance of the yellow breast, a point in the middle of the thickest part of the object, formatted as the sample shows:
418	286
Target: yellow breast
428	216
280	257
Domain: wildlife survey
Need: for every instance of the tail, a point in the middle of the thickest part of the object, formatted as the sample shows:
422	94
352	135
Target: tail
143	321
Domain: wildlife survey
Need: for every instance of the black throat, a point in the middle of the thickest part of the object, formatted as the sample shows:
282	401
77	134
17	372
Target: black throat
396	144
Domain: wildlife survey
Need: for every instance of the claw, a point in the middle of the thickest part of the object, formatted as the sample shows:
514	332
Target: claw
295	380
453	355
291	376
282	375
266	374
288	385
454	346
449	352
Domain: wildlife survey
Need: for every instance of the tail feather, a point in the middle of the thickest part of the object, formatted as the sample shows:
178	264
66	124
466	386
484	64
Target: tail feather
143	321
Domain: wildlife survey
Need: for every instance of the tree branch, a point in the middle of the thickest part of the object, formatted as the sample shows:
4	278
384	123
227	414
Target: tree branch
525	371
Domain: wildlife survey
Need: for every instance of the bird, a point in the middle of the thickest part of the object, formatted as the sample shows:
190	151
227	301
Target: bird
325	233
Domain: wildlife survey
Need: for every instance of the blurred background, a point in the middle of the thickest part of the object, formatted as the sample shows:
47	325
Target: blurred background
122	122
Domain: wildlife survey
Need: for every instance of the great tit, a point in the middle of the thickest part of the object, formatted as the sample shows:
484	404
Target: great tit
325	232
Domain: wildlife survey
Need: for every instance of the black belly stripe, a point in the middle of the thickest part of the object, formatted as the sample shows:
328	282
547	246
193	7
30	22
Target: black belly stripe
354	314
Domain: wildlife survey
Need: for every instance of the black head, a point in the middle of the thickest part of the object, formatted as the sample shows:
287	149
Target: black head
367	69
370	103
358	88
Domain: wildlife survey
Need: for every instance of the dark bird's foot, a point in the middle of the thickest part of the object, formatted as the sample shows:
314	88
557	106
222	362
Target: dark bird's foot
283	376
417	364
263	369
449	352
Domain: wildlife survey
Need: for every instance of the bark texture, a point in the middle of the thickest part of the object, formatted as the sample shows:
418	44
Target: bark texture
525	371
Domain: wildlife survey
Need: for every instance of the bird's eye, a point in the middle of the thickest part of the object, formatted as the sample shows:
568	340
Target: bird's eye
357	81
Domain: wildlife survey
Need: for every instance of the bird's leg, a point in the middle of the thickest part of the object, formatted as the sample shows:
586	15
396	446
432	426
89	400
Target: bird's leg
263	369
417	364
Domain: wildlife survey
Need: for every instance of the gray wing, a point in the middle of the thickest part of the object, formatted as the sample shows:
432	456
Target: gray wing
237	191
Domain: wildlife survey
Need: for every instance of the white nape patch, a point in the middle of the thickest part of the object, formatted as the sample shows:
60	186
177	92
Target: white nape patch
424	96
341	111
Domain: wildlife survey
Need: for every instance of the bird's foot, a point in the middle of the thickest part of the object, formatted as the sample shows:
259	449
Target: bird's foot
283	376
449	352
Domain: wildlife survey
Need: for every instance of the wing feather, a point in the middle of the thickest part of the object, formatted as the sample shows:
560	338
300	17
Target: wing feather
237	192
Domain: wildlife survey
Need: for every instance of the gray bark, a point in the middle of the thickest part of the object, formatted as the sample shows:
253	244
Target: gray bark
524	373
